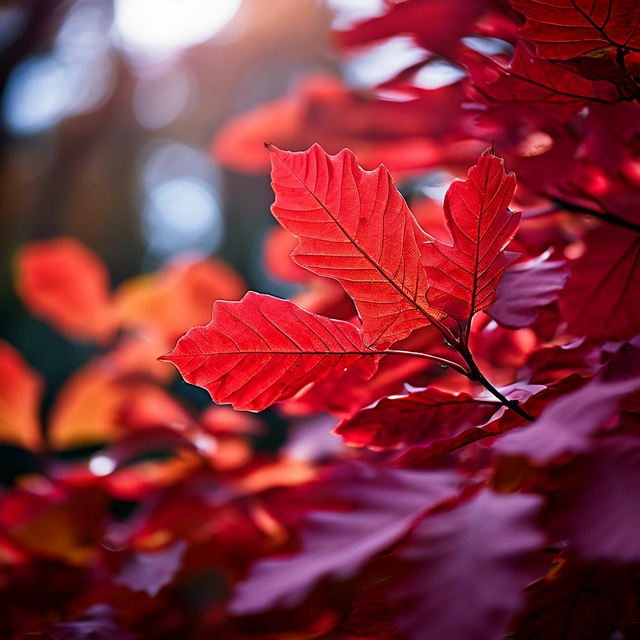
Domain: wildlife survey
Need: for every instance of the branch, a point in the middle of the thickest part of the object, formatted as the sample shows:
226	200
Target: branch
606	217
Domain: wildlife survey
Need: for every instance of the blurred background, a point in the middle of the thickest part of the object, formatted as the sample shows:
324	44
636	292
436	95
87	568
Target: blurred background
108	111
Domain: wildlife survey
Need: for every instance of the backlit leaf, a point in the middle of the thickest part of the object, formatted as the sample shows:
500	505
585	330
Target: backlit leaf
563	29
354	226
463	277
600	299
262	349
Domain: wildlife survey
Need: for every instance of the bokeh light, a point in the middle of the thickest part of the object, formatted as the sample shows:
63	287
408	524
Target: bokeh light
163	26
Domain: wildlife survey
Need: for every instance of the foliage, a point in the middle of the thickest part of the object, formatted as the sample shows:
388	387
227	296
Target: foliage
479	367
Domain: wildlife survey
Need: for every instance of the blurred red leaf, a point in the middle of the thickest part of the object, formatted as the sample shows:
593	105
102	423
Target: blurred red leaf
98	622
263	349
574	601
67	285
20	396
399	133
436	25
529	83
596	507
177	296
567	424
150	571
600	299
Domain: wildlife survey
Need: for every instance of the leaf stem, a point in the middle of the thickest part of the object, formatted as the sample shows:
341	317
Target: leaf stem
474	374
606	217
427	356
477	376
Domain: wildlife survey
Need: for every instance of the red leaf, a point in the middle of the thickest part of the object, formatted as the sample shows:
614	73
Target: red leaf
600	299
530	83
354	226
427	415
468	568
437	24
385	504
454	434
67	285
20	395
463	277
262	349
563	29
321	110
598	509
525	288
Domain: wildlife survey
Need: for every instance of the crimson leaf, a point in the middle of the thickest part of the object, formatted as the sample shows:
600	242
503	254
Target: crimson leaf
263	349
463	277
564	29
354	226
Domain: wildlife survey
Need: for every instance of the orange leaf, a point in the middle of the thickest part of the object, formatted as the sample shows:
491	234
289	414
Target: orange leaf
65	284
20	394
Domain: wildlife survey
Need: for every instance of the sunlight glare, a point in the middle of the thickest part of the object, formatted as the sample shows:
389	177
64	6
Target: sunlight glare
163	26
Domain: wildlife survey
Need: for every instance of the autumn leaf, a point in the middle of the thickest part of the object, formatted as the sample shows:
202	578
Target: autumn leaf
492	536
564	29
354	226
600	299
385	503
263	349
67	285
529	84
416	418
20	396
463	276
437	25
596	505
525	288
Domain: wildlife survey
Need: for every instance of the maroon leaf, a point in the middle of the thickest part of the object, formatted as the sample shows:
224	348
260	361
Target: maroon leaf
263	349
563	29
425	416
567	424
385	503
354	226
574	601
600	299
97	623
598	508
490	538
457	434
463	277
525	288
150	571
